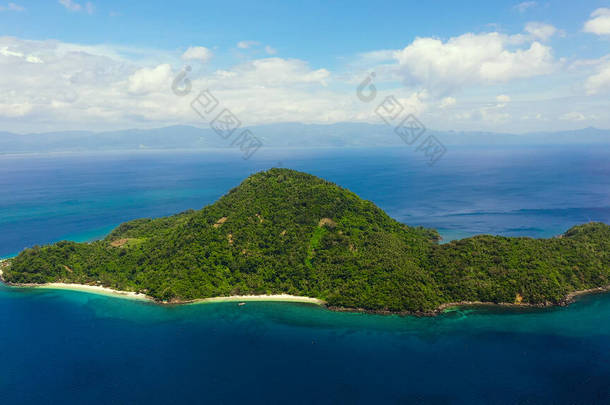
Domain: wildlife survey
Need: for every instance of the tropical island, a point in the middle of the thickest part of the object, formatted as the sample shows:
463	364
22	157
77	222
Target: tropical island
287	233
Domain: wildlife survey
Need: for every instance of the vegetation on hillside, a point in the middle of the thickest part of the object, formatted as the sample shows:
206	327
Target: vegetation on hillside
283	231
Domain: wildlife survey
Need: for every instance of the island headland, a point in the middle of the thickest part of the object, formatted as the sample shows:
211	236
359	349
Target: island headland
287	235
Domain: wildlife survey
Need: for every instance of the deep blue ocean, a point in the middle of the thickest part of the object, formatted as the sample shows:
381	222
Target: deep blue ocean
78	348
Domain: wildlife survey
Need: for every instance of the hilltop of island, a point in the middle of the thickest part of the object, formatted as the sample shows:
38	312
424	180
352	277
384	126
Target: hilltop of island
286	232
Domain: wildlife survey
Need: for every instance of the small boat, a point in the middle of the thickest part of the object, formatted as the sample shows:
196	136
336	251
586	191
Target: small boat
241	303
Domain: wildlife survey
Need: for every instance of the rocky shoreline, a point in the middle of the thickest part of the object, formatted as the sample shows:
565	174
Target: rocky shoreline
567	300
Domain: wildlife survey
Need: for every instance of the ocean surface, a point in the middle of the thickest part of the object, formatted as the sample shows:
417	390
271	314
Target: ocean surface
73	348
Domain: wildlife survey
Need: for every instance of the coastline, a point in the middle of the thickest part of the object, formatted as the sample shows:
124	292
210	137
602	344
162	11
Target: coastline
254	298
443	308
99	290
567	300
92	289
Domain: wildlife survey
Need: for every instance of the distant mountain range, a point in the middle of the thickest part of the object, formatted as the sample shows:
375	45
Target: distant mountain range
275	136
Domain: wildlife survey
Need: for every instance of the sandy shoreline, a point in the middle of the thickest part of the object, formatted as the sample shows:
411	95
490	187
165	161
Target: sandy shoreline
271	297
142	297
94	289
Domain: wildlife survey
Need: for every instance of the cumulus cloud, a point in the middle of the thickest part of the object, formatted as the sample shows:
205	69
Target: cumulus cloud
271	72
487	58
65	85
600	81
198	53
599	23
5	51
53	85
541	31
148	80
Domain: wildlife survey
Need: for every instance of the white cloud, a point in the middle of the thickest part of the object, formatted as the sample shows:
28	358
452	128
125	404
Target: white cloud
147	80
444	67
600	81
74	6
379	56
5	51
599	23
447	102
198	53
94	87
247	44
33	59
485	116
12	7
254	44
573	116
541	31
524	6
14	110
271	72
53	85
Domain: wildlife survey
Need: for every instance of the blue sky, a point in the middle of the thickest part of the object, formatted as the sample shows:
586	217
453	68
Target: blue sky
507	66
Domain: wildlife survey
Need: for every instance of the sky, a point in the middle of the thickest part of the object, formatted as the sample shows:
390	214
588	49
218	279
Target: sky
502	66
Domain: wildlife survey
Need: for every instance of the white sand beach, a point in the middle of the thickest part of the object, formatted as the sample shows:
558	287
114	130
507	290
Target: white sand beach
142	297
94	289
273	297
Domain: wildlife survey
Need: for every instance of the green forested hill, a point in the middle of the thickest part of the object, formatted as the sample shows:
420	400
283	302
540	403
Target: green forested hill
283	231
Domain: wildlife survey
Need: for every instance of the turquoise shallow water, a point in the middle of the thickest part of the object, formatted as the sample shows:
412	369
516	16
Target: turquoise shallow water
73	348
